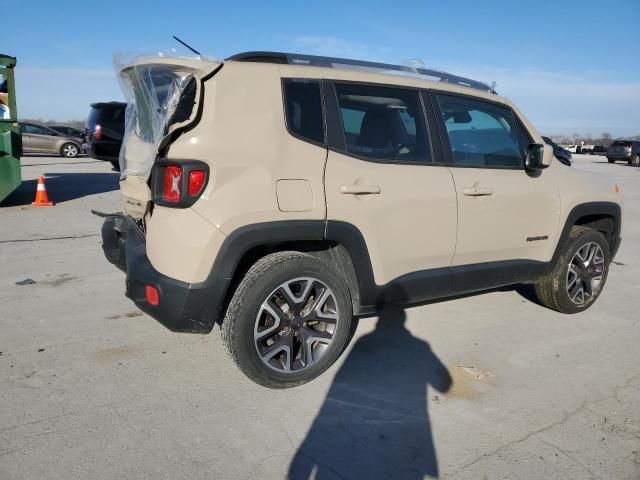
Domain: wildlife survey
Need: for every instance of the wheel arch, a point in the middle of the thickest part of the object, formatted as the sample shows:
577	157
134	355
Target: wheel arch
339	244
605	217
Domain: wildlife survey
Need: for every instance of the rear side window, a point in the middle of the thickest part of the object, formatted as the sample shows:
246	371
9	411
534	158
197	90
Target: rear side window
303	109
106	114
480	133
383	123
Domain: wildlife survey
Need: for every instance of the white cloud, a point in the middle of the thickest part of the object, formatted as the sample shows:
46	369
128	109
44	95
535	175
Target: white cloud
557	103
62	93
337	47
564	104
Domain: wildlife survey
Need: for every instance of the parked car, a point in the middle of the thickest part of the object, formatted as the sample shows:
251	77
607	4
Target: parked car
104	130
587	149
625	150
574	148
41	139
598	150
281	195
563	155
67	131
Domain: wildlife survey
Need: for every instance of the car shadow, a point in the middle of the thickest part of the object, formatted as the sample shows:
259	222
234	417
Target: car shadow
62	187
374	422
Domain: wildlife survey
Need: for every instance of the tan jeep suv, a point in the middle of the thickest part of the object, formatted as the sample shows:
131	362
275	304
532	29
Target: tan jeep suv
282	195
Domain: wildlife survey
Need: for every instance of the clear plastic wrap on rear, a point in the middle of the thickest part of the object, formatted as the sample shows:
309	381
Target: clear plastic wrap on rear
162	95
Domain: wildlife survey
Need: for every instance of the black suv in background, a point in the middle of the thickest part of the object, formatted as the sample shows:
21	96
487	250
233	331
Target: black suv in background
563	155
104	131
626	150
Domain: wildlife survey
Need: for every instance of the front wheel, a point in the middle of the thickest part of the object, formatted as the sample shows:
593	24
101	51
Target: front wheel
69	150
288	321
579	275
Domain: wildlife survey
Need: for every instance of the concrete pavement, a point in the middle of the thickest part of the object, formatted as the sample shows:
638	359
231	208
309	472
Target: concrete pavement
488	386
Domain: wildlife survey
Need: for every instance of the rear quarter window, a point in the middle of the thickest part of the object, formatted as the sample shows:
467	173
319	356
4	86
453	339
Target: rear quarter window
303	109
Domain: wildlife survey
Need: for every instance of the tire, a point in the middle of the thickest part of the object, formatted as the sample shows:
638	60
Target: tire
251	315
555	290
116	165
635	161
69	150
611	160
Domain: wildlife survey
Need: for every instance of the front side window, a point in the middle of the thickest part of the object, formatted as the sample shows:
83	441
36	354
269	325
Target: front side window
383	123
303	109
480	133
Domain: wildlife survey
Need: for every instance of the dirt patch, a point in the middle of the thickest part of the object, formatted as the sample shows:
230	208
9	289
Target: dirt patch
64	278
468	381
128	315
115	353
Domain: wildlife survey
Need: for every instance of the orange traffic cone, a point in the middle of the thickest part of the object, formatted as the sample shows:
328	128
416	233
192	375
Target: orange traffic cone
42	200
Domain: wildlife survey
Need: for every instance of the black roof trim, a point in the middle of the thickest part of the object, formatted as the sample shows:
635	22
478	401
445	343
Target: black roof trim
335	62
114	103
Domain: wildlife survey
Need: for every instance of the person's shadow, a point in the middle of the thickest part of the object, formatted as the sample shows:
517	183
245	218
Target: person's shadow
374	421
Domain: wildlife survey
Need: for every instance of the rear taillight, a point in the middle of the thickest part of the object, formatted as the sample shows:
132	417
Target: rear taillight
172	184
178	184
97	133
196	181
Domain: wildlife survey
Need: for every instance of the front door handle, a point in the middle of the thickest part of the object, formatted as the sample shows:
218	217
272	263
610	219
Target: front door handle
477	191
360	189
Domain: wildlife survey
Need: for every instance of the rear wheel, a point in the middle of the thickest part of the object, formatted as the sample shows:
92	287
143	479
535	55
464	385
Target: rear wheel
288	321
116	165
579	274
69	150
611	160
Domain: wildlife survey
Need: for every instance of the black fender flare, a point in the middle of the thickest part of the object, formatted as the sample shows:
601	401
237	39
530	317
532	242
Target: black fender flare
584	210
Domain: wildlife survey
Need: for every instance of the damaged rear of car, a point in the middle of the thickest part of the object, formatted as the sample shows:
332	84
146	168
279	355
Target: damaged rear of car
164	100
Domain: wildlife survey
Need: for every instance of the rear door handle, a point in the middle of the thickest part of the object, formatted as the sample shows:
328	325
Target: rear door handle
360	189
476	191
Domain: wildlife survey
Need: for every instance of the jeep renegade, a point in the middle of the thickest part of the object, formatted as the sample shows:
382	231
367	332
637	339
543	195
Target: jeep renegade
282	195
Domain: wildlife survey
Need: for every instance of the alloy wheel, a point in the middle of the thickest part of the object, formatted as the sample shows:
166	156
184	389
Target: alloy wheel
296	324
585	274
70	150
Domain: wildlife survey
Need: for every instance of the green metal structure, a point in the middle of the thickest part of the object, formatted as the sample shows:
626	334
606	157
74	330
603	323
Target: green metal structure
10	139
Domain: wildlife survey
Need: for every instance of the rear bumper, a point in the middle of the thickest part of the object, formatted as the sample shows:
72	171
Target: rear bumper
102	150
182	307
619	156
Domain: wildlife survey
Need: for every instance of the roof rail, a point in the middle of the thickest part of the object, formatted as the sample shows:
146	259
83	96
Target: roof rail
334	62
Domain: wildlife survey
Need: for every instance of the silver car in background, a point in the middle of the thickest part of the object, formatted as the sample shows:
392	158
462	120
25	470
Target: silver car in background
41	139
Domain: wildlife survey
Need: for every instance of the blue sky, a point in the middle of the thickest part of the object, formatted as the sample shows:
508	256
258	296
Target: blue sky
570	66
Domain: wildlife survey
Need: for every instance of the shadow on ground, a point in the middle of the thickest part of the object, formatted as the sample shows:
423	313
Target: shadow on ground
374	422
62	187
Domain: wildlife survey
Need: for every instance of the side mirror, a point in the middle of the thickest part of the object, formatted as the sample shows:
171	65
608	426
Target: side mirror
538	157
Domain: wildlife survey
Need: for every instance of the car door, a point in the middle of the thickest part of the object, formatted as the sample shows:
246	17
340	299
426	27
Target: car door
36	139
507	217
383	178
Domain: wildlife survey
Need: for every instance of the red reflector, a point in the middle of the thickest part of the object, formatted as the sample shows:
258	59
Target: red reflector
152	295
172	184
196	181
97	134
